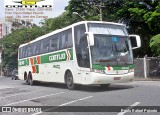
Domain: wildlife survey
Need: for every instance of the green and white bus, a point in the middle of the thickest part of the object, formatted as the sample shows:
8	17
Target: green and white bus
87	52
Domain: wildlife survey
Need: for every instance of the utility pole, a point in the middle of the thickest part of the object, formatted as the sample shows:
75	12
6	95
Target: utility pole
99	7
100	10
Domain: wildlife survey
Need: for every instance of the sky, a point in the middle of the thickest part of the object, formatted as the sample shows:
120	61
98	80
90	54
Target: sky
58	8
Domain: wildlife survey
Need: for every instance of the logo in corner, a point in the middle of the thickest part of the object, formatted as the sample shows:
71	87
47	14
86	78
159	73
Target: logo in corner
28	2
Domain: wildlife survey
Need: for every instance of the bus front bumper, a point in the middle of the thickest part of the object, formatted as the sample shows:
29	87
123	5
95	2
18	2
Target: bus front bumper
97	78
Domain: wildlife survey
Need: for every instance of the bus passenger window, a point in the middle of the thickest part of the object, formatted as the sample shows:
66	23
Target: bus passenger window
45	45
53	44
69	40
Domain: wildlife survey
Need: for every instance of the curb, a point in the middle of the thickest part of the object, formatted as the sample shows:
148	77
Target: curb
146	79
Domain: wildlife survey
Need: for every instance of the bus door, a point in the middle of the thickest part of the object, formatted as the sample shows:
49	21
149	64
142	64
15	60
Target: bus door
84	60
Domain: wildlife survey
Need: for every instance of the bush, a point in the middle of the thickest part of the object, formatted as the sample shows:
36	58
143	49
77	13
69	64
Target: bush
155	44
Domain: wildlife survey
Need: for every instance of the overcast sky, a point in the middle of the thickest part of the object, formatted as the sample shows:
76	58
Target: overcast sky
58	8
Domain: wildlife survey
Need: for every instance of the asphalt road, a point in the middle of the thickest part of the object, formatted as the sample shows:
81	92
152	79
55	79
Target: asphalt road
115	99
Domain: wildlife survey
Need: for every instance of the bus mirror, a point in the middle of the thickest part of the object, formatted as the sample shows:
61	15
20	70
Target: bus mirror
91	38
135	41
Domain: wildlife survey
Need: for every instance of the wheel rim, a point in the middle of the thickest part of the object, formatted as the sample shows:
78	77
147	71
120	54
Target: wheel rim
69	80
30	79
26	80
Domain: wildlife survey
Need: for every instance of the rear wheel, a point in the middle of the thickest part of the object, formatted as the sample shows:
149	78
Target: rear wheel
30	80
103	86
27	80
69	81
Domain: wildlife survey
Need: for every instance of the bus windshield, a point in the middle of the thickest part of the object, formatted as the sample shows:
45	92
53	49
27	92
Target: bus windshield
111	50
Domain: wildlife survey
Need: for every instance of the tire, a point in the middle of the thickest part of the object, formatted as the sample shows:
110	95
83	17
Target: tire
27	80
104	86
30	80
69	81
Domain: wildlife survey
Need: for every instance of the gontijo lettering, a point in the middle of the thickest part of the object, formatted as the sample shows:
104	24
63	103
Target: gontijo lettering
57	57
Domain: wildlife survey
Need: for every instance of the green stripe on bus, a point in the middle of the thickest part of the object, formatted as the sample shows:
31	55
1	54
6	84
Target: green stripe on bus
101	67
37	68
123	67
23	62
65	55
98	67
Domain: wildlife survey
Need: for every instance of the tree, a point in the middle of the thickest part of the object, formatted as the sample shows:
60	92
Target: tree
142	17
12	41
155	44
22	34
60	22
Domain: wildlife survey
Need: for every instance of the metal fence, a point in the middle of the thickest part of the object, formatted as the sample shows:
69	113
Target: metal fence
147	67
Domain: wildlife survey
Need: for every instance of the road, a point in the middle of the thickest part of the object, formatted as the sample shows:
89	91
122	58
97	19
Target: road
125	95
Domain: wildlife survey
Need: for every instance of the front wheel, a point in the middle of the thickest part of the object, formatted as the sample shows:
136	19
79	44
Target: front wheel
69	81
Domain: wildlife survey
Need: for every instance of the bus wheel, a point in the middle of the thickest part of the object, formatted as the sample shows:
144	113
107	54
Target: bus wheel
27	80
69	81
30	80
103	86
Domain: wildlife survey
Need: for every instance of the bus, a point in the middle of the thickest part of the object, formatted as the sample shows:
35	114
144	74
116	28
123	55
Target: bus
86	53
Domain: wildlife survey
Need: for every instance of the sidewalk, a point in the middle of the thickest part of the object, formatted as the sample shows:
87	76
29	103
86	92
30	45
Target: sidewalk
145	79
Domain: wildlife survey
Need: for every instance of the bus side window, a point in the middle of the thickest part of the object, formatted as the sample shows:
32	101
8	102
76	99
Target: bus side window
38	46
45	45
62	40
53	43
30	51
65	40
69	39
26	52
34	49
20	53
23	52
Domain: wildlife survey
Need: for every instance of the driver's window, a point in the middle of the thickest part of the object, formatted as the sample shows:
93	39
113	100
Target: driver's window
81	46
84	52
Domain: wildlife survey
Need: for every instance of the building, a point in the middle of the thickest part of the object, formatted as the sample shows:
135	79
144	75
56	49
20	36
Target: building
5	28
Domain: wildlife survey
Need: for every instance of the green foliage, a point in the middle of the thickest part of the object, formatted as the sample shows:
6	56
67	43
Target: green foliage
59	22
12	41
142	17
155	44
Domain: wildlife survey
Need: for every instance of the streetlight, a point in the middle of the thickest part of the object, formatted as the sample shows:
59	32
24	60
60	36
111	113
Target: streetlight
79	15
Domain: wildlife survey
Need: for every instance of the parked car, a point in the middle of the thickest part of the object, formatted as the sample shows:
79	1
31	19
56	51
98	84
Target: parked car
15	74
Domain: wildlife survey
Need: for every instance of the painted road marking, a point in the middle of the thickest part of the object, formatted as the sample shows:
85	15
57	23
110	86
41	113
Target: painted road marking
64	104
4	87
19	94
33	98
75	101
130	107
17	89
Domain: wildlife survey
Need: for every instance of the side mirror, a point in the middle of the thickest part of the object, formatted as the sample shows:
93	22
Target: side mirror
91	38
135	41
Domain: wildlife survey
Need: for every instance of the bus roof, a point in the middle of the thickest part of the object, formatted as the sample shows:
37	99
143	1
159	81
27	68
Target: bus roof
70	26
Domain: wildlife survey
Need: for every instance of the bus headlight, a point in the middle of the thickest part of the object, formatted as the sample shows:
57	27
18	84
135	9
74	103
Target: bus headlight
98	71
131	70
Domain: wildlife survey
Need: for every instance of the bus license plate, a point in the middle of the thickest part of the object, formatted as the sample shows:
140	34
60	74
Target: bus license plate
117	78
